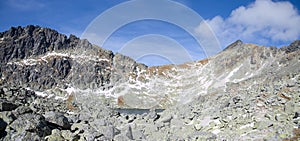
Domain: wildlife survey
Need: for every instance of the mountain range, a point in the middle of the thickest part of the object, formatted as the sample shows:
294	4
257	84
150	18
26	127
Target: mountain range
65	88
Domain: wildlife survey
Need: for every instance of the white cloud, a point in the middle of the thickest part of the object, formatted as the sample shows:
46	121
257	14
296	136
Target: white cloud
262	22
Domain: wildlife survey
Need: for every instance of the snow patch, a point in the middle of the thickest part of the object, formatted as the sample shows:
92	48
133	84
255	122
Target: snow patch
205	121
70	113
247	125
106	60
50	95
41	94
216	121
227	79
216	131
242	79
50	54
70	90
79	57
60	97
29	62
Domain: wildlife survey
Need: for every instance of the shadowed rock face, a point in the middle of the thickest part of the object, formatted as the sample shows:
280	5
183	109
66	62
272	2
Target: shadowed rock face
65	88
20	43
295	46
42	59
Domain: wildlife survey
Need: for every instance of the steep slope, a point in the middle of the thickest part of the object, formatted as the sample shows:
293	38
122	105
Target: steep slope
255	95
171	84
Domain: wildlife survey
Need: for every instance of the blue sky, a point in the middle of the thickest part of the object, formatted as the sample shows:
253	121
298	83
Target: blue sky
263	22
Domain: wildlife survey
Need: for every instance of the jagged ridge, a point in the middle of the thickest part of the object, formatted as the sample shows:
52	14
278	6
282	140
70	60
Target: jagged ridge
41	58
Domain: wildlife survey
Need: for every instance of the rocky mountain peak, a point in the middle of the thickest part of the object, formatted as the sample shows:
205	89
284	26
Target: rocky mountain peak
24	42
234	45
43	59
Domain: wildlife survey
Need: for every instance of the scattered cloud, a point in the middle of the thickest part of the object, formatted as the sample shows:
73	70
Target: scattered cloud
263	22
26	4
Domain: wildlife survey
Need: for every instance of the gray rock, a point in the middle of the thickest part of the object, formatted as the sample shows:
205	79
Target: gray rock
6	105
3	125
31	123
263	124
121	137
289	108
79	127
198	127
57	119
98	122
152	114
202	136
67	135
110	131
138	135
55	136
7	116
281	117
22	110
167	119
129	133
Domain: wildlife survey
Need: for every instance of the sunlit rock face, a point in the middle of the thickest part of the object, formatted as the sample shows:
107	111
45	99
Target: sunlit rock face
69	89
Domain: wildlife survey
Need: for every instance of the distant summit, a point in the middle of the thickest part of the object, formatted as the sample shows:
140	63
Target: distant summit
295	46
235	44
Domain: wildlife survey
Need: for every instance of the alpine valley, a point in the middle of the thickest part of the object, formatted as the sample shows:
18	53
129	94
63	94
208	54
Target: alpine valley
54	87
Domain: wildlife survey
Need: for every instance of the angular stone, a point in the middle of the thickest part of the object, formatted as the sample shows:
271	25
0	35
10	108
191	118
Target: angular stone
110	131
198	127
289	107
58	119
138	135
166	119
7	116
98	122
55	136
21	110
120	137
262	124
31	123
129	133
3	125
7	106
67	135
281	117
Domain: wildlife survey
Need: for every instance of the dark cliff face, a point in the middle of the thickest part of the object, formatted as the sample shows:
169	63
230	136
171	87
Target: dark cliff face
41	58
20	43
